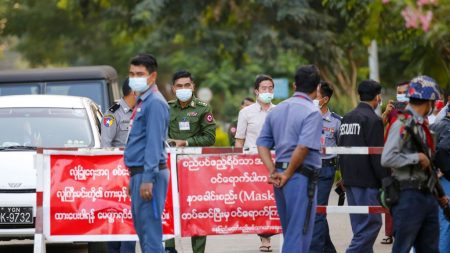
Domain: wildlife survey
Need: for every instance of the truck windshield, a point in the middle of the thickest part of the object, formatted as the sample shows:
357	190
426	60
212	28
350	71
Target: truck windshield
19	89
45	127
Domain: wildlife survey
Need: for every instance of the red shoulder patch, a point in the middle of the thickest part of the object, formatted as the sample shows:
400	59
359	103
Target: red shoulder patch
209	117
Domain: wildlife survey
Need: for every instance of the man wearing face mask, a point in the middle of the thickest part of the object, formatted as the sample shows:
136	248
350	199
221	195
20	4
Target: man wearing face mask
145	154
191	125
251	118
415	213
392	107
321	241
250	122
362	174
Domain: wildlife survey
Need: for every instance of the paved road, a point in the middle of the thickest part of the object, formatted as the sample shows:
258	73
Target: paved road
341	235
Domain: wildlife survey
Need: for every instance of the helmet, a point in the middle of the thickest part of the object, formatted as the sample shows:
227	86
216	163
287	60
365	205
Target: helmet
423	87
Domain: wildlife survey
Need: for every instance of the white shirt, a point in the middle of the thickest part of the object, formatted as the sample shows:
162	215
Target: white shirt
250	122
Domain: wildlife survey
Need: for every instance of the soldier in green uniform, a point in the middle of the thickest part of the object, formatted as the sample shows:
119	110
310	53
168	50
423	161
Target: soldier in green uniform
191	125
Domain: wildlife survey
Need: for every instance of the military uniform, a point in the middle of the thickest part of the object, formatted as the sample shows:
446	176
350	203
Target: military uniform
321	241
196	125
115	125
114	132
415	215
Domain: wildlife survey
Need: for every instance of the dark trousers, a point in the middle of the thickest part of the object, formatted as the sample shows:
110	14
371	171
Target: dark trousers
122	247
321	241
147	215
365	227
416	223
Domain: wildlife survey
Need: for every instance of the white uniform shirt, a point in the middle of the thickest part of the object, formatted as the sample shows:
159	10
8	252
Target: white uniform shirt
250	122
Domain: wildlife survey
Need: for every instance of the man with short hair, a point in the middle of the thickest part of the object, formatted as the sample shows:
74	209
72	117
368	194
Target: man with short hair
251	118
362	174
145	154
293	128
192	124
321	241
114	133
250	122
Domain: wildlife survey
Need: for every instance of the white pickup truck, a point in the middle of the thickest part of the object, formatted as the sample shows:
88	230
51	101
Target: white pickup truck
27	122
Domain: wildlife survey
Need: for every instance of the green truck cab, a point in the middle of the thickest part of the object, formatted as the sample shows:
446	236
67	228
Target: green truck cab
99	83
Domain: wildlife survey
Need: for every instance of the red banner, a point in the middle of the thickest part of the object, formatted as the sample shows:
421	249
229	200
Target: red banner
225	194
88	196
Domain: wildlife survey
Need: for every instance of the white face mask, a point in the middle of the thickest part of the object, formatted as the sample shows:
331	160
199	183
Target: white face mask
402	98
183	94
265	97
138	84
316	103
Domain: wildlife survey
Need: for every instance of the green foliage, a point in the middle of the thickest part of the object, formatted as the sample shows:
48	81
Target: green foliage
225	44
221	138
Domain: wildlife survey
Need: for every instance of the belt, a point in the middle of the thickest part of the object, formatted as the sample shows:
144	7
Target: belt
412	185
329	162
140	169
306	171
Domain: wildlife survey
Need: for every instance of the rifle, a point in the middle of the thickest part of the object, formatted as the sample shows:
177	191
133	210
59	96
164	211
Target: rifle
433	183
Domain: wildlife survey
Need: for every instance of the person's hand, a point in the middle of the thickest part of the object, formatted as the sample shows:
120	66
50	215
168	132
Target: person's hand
424	161
146	191
280	179
180	143
444	201
340	184
273	178
389	107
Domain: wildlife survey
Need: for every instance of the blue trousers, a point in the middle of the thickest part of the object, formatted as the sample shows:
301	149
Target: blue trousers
292	203
416	223
444	241
147	218
365	227
121	247
321	241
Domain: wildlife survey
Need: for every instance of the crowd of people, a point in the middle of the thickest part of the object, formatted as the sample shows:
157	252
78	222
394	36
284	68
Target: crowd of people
302	176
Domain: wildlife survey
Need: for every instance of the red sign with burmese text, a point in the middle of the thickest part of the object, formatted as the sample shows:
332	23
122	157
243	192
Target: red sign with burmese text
88	196
225	194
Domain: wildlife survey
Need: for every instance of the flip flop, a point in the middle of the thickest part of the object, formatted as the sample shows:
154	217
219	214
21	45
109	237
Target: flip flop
387	240
265	248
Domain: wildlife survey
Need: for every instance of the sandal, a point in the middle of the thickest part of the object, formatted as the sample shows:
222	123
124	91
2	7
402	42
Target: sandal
265	248
387	240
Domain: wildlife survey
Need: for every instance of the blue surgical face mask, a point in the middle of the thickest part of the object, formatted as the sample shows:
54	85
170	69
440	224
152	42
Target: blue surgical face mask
138	84
265	97
402	98
183	94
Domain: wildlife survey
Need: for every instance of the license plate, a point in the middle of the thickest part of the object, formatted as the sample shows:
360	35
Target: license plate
16	215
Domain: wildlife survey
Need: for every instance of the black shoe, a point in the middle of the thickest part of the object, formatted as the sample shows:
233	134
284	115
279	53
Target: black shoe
171	250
